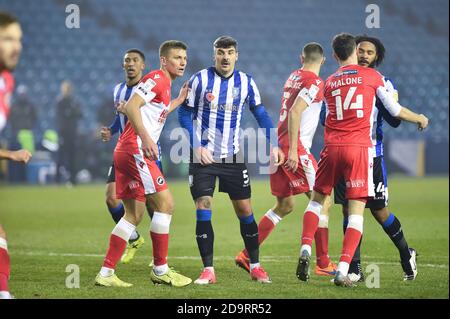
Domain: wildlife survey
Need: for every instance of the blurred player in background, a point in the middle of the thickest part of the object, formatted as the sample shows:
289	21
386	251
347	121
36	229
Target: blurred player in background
350	95
133	64
299	115
371	54
10	49
139	178
212	115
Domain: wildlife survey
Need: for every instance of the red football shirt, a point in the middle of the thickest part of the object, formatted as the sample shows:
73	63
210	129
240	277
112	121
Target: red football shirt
309	87
6	89
350	94
154	88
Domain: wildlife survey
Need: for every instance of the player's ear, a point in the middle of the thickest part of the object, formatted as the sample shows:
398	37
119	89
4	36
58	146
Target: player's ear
237	55
323	60
302	59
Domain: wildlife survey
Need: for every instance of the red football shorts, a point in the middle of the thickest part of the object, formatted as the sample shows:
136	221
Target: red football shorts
137	176
284	183
353	164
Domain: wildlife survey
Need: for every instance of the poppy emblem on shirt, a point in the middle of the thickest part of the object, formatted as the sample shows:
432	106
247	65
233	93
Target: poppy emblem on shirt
209	96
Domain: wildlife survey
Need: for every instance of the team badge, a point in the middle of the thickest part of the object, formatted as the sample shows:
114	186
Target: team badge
160	180
236	92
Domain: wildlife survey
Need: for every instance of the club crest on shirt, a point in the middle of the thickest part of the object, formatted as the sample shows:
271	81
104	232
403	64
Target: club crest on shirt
236	92
160	180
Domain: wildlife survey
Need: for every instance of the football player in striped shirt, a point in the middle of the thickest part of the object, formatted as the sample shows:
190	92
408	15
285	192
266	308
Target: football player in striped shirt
10	49
212	115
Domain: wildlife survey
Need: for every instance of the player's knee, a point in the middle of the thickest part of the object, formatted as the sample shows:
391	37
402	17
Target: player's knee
204	202
381	215
111	200
285	207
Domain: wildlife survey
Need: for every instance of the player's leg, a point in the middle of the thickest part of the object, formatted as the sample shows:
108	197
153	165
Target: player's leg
358	174
266	225
323	185
117	210
355	271
5	267
393	228
352	239
311	220
202	180
324	265
162	204
249	233
390	223
134	210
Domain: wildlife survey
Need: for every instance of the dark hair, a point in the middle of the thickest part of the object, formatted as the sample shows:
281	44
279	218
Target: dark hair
312	52
166	46
343	45
6	19
225	42
378	45
138	52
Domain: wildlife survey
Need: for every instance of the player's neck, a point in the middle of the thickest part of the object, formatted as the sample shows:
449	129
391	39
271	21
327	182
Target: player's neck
350	61
314	68
133	81
170	76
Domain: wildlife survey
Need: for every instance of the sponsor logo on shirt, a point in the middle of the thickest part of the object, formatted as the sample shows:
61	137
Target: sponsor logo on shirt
133	185
356	183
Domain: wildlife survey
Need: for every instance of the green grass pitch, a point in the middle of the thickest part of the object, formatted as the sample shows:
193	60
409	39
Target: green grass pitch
50	228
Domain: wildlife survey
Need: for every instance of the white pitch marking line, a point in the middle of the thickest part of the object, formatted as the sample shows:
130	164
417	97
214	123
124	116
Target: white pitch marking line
264	259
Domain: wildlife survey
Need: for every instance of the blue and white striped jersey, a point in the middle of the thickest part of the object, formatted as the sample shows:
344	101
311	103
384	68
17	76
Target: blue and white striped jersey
122	92
380	117
218	104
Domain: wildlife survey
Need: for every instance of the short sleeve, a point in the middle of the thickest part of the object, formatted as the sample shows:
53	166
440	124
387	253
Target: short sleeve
192	90
147	89
254	98
309	92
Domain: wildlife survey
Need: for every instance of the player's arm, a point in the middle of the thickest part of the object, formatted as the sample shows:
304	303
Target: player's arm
323	114
22	156
294	118
401	112
107	132
185	113
143	95
264	121
392	121
181	97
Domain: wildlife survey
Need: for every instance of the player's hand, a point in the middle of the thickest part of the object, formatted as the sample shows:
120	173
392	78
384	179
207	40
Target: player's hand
22	156
292	161
277	156
204	155
150	149
183	92
423	122
120	107
105	133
